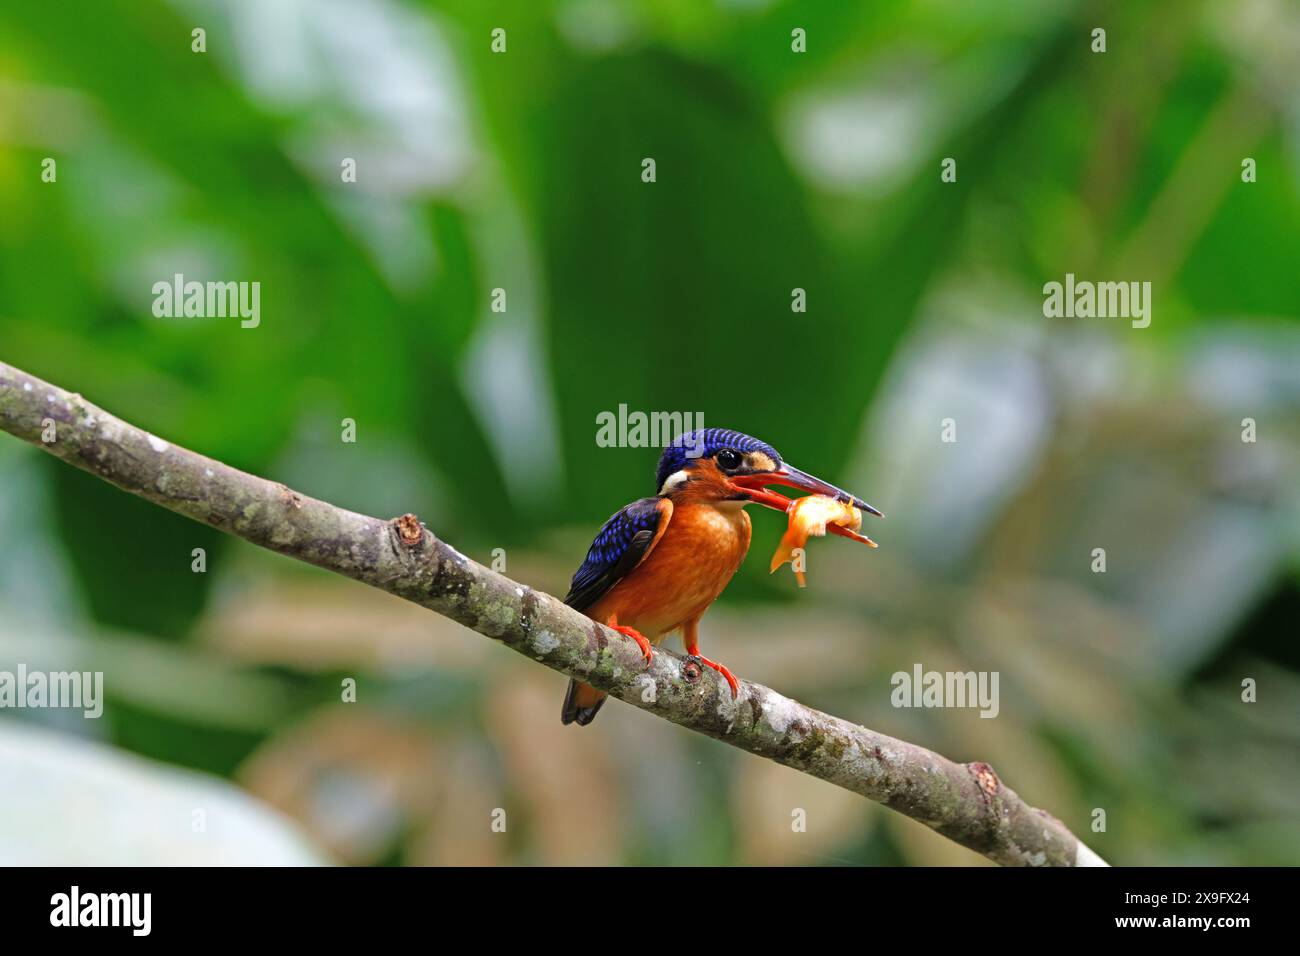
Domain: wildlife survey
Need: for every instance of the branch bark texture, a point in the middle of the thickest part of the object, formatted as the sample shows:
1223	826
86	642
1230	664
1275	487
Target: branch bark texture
967	802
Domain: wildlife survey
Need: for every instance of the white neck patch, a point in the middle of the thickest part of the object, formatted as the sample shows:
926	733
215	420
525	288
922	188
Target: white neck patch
674	481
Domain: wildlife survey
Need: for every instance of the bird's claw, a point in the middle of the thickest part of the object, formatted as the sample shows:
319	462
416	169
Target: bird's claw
721	669
646	650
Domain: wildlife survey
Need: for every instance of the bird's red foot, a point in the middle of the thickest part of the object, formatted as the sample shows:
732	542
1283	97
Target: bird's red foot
637	636
723	670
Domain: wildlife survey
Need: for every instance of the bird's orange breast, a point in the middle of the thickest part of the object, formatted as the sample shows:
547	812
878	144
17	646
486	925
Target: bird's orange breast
688	568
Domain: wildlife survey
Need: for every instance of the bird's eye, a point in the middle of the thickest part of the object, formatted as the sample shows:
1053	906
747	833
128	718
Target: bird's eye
728	458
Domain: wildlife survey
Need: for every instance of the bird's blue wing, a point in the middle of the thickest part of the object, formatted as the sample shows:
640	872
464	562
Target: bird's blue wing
621	545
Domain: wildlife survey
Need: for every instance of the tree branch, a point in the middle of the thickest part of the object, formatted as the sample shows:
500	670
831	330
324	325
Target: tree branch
965	802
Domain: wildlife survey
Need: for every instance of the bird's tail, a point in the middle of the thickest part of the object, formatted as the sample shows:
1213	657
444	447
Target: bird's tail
581	703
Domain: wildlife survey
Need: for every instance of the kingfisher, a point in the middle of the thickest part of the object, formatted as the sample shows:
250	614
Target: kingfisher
657	564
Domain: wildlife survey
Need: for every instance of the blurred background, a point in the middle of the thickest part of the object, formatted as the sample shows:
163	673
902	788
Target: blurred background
224	737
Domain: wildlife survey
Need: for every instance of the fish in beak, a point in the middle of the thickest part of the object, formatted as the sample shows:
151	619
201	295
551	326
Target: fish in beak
754	485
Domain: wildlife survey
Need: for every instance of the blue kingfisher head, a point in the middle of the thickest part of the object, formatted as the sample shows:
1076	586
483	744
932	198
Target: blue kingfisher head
723	465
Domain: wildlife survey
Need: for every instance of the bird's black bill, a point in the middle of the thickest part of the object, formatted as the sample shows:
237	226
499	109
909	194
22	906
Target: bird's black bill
792	477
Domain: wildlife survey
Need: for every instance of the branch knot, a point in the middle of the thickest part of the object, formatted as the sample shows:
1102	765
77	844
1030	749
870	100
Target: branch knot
409	530
986	778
